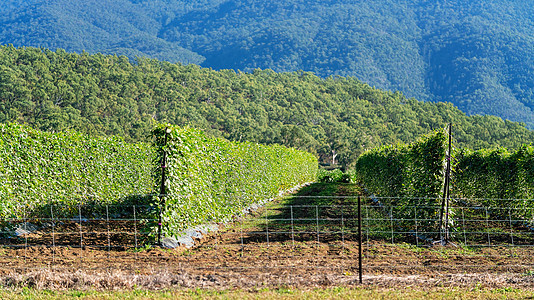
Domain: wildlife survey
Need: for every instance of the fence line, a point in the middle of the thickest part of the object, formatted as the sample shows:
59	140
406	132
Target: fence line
284	237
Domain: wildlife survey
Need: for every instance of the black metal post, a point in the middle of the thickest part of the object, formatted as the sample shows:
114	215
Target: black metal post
162	186
360	264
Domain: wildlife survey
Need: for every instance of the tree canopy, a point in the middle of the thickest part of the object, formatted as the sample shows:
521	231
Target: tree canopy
475	54
110	95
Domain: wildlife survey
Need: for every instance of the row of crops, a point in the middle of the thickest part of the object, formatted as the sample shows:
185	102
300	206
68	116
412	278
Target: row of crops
411	177
408	177
495	175
206	179
209	179
40	169
418	170
410	170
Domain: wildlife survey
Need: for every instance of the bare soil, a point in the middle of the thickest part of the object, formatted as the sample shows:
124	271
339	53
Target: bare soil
243	258
249	254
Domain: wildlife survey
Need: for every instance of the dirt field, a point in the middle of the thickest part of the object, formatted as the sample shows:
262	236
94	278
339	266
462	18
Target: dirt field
221	263
249	254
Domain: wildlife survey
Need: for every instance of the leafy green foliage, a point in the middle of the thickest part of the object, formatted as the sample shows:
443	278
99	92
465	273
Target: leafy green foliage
475	54
490	177
212	179
68	168
493	175
333	176
405	170
336	118
409	176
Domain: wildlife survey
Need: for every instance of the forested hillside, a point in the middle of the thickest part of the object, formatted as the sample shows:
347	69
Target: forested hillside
337	116
476	54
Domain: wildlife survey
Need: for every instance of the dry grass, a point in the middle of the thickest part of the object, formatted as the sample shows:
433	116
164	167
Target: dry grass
162	280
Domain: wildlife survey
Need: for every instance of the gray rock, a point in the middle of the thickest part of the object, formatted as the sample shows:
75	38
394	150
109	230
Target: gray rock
181	241
21	232
207	228
170	243
25	228
194	233
202	229
212	227
186	241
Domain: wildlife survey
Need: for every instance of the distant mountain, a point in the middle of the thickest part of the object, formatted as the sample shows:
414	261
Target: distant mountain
477	54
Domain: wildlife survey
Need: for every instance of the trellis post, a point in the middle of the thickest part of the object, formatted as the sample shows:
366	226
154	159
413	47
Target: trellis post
162	186
444	225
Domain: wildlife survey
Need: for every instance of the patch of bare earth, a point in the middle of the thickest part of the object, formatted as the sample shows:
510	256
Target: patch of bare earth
239	258
299	246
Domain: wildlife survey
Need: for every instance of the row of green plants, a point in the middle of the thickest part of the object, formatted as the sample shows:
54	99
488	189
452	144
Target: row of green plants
405	170
496	177
48	174
408	178
209	179
42	169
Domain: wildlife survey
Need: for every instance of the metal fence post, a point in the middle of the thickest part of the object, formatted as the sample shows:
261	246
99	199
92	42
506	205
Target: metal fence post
53	233
135	231
416	229
162	187
360	264
81	231
444	211
108	233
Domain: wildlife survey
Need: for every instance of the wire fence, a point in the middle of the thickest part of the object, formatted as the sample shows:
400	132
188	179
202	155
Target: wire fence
110	227
321	237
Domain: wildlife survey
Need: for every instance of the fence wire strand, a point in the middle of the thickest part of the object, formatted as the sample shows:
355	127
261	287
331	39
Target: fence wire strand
285	237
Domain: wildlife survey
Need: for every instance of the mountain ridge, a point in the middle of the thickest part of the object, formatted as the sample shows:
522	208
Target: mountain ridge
475	54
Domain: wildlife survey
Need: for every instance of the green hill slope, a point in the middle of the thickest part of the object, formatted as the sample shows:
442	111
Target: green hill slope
476	54
108	26
336	116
